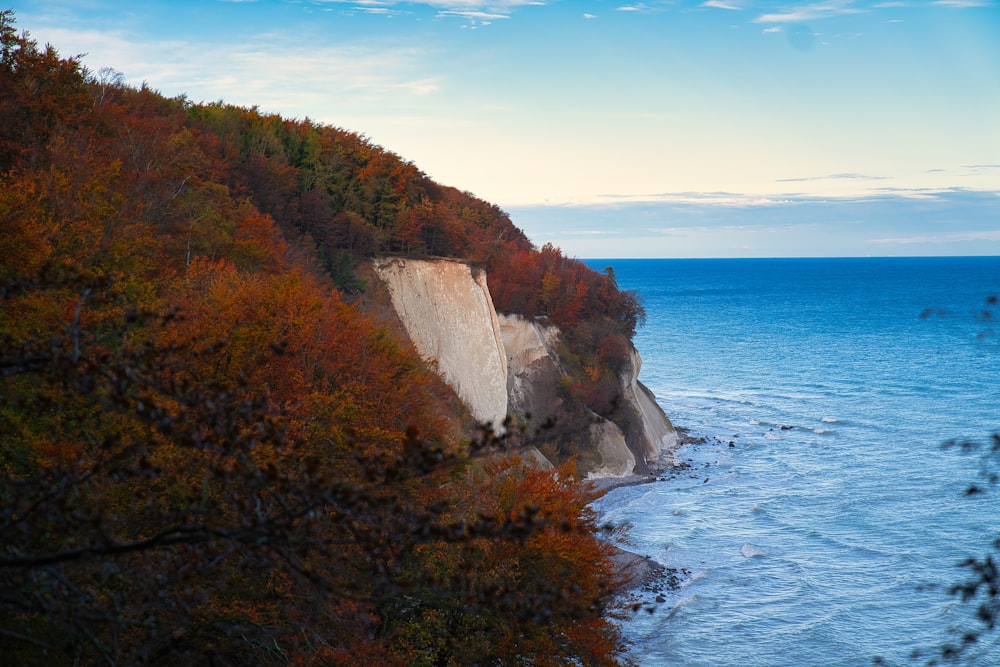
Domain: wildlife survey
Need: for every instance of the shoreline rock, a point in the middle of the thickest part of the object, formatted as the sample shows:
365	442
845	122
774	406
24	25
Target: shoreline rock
668	465
642	576
644	581
638	572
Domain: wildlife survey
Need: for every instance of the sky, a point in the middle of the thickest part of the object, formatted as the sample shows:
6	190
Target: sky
685	128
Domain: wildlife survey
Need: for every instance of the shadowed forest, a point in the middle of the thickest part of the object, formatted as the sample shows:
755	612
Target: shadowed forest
213	451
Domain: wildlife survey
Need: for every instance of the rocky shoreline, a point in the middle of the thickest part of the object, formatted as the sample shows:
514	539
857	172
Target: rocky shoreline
642	577
644	580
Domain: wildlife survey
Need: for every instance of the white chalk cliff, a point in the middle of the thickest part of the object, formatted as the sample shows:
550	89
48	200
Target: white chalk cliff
653	427
532	365
507	364
447	310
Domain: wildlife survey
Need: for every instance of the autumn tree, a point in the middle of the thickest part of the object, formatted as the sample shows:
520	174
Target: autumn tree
204	450
41	91
200	514
596	318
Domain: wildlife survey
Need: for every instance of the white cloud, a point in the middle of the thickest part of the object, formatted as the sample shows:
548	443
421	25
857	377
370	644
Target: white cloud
497	5
946	237
478	12
269	73
589	16
473	14
963	4
812	12
835	177
720	4
490	6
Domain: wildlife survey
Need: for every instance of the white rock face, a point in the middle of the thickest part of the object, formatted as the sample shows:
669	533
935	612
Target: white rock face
532	366
657	431
533	375
508	364
448	313
617	460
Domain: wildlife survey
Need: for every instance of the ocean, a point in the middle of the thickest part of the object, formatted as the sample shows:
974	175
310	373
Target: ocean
820	520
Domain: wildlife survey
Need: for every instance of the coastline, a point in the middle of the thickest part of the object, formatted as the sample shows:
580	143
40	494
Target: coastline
641	574
637	573
668	464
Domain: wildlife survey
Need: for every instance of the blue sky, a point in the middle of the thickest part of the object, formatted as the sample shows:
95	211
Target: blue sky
619	129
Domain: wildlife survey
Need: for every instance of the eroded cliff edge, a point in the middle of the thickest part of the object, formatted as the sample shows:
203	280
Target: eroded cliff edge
446	309
507	364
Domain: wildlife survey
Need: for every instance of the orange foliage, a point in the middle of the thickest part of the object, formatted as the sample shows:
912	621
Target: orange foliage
204	450
551	556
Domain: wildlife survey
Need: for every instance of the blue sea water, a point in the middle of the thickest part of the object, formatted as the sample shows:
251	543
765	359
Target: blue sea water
828	532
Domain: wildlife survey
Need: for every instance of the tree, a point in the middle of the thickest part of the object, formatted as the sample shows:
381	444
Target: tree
161	505
204	450
40	92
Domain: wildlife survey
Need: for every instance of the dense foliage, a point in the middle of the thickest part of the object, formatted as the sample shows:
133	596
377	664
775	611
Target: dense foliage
207	454
596	318
345	192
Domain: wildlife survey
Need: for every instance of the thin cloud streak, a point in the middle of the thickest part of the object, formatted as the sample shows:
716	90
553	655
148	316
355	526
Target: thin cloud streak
727	199
745	200
709	225
719	4
832	177
638	7
249	75
963	4
473	14
731	200
446	7
812	12
949	237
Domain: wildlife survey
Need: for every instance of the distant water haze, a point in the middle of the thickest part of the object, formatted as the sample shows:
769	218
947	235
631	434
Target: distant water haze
699	225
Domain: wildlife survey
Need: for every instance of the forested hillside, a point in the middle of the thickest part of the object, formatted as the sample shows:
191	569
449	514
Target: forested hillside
208	448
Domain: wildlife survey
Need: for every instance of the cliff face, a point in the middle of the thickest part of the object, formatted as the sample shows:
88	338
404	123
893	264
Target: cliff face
533	371
649	432
507	364
446	309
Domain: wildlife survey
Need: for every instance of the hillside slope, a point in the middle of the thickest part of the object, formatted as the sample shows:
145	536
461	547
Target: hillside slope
207	448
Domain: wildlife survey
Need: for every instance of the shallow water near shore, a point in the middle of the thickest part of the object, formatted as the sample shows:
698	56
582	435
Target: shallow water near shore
820	511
